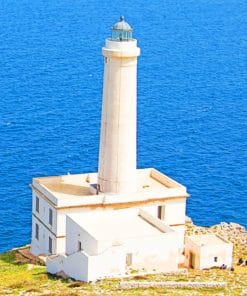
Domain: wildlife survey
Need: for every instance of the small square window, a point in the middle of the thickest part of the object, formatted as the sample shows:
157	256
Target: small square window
215	259
36	231
37	204
50	216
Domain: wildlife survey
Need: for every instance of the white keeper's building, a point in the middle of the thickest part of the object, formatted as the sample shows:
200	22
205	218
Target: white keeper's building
105	224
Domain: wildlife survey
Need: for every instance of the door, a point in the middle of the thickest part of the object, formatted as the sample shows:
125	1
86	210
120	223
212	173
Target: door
192	260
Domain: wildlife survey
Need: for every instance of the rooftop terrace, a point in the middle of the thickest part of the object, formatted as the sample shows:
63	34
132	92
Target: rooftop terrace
72	190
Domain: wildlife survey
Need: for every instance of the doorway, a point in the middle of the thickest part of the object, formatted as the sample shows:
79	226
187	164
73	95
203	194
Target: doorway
192	260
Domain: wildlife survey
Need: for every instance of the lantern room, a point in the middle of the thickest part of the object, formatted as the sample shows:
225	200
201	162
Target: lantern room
122	31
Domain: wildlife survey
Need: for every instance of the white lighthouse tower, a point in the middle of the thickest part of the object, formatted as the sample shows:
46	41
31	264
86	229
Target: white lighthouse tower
135	218
117	157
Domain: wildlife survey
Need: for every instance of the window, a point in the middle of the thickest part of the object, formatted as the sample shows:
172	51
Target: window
129	259
37	204
50	216
79	246
215	259
50	244
36	231
161	212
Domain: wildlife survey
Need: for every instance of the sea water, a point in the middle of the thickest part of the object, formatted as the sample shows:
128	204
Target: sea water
191	99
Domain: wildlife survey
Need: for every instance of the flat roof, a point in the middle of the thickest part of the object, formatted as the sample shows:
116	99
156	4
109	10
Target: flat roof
70	190
207	239
115	225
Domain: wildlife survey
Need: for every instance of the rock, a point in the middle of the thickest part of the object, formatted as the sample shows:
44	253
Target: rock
223	225
62	274
170	284
236	226
6	292
188	219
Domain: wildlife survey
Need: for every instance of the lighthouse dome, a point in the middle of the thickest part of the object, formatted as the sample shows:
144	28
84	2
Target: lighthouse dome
122	25
121	31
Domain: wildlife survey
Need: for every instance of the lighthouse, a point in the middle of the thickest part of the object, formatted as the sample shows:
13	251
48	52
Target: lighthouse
119	219
117	155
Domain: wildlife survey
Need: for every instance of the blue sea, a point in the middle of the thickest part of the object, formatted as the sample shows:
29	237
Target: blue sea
191	99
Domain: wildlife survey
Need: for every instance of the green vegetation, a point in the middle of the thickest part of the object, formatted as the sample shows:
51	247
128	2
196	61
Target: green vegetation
19	277
29	279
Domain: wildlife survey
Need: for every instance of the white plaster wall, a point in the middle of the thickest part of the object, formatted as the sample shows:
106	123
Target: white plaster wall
190	247
83	267
92	246
61	218
58	226
204	255
154	253
117	156
36	246
76	266
60	245
152	210
55	264
175	211
121	46
41	246
104	245
43	190
222	251
171	211
76	233
151	254
108	264
61	223
180	231
61	226
43	213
